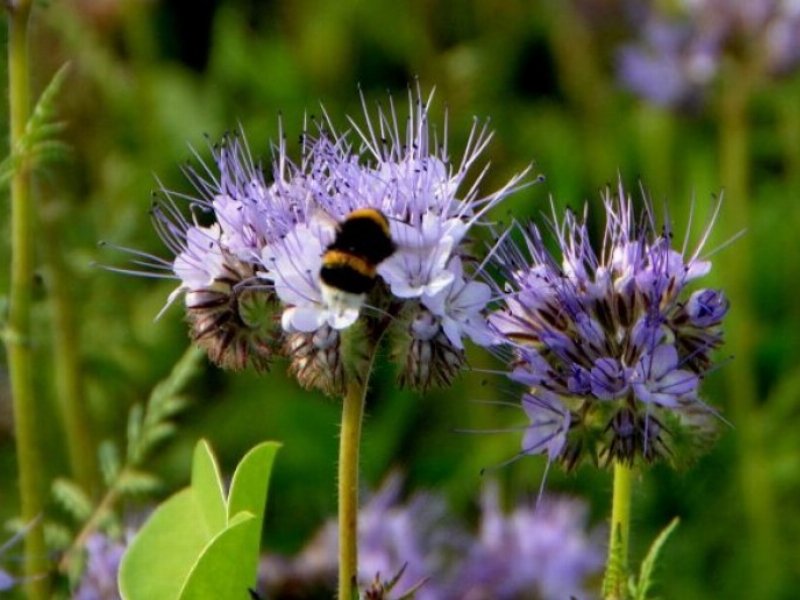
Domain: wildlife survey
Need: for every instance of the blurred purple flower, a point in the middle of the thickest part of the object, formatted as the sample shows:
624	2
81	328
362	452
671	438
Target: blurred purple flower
610	351
681	48
99	580
533	552
541	552
418	535
668	66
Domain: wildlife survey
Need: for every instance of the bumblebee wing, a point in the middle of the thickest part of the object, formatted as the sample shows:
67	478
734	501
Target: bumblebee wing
324	223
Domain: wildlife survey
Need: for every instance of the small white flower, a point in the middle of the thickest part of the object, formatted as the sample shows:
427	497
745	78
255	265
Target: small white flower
459	305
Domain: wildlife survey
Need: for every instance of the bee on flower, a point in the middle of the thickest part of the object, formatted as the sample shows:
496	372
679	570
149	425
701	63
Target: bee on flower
367	235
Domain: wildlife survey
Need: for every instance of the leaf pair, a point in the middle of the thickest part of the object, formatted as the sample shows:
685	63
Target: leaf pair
198	544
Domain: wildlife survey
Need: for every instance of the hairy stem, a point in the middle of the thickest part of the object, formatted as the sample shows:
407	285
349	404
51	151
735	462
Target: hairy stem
18	333
349	442
616	576
352	416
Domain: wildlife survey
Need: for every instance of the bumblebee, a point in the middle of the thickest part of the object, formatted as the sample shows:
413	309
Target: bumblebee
349	265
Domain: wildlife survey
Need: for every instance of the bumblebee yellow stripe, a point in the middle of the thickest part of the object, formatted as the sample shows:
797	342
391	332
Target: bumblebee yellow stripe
337	258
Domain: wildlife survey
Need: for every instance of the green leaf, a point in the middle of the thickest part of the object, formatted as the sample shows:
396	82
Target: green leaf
109	461
72	498
219	571
157	433
164	551
248	495
649	563
190	548
134	431
250	483
133	482
207	485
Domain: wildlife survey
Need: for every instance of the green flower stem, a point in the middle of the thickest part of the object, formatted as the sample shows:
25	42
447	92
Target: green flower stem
758	497
66	357
18	333
352	417
616	576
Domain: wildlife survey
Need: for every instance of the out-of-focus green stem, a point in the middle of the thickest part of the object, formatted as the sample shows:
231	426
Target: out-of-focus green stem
616	576
66	359
586	87
655	133
742	390
18	333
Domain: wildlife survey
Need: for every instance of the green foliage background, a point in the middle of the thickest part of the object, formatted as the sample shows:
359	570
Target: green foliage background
148	79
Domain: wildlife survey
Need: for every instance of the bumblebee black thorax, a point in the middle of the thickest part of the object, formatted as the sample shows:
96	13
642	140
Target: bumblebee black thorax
362	242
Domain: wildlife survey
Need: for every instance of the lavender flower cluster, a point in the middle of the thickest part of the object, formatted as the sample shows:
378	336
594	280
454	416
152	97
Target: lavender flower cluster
250	277
541	552
608	345
683	48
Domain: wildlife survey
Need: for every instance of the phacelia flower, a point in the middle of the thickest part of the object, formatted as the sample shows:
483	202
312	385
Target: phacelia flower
540	552
683	47
249	256
608	344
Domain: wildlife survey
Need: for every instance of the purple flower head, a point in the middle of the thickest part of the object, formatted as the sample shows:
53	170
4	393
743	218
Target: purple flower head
609	348
410	178
681	49
249	256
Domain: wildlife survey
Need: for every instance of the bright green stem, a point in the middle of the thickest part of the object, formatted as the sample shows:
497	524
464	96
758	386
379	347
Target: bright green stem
18	334
352	416
66	356
616	577
758	499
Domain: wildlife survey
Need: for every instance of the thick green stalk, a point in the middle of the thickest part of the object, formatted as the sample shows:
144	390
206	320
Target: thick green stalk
66	357
758	501
616	576
352	417
349	442
18	334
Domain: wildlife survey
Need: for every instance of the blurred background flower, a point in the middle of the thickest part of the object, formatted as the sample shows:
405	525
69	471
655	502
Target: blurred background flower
534	552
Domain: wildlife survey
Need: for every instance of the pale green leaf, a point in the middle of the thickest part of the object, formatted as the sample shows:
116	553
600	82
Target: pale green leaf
221	570
207	485
250	483
165	550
